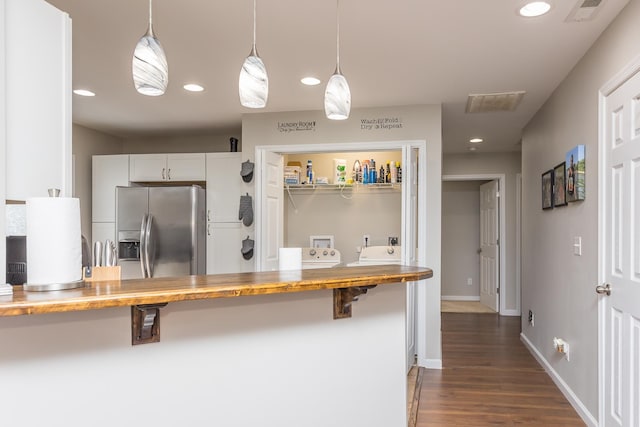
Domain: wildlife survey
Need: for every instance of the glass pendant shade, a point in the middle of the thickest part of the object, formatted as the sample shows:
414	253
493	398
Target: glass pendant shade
149	64
253	84
337	97
150	69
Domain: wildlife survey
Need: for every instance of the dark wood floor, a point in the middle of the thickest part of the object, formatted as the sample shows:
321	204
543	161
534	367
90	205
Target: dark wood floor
489	378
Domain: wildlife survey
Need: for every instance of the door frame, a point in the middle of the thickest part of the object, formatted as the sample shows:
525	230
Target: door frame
406	229
617	80
501	178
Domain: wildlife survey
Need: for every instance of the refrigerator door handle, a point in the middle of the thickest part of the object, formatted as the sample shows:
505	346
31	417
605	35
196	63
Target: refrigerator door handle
150	246
143	245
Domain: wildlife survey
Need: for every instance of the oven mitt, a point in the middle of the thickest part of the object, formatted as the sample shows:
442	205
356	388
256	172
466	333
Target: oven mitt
247	171
246	210
247	248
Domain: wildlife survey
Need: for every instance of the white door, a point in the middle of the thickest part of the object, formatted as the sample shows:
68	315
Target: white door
410	244
619	315
187	167
224	186
270	216
489	240
147	167
224	244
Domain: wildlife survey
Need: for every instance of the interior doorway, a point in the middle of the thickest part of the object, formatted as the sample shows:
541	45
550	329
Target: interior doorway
269	209
473	227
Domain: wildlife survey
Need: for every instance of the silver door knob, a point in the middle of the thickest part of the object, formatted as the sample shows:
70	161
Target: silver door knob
603	289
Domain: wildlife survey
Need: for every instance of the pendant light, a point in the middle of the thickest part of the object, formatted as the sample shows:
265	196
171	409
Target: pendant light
253	84
337	96
150	69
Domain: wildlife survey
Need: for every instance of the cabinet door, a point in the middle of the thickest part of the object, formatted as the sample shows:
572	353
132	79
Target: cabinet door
107	173
101	231
147	167
36	59
224	185
224	241
186	167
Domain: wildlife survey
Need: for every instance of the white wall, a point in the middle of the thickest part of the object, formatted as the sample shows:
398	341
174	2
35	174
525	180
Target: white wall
269	361
556	285
460	239
213	142
496	163
422	122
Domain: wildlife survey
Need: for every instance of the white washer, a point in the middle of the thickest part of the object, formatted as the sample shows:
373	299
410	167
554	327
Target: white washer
320	258
378	255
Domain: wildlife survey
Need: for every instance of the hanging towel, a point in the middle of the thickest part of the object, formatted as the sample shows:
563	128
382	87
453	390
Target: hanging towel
246	210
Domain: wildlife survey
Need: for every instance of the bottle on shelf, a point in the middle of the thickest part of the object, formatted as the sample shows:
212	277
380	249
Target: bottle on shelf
373	178
394	173
399	171
356	173
387	177
365	174
381	175
309	172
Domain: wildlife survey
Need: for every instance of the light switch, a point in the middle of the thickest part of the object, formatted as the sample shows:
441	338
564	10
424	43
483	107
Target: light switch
577	246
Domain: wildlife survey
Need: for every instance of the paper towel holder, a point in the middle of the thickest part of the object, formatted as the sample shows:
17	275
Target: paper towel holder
42	287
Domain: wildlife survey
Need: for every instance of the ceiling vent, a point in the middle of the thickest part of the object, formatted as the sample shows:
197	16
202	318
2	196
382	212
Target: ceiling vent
584	10
492	102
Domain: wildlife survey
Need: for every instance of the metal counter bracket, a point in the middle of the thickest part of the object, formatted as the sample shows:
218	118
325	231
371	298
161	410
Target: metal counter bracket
343	299
145	323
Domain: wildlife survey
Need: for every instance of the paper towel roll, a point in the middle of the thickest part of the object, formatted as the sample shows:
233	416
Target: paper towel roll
290	258
54	243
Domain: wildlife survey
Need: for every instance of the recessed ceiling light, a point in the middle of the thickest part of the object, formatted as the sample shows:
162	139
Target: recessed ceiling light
192	87
83	92
535	8
310	81
476	140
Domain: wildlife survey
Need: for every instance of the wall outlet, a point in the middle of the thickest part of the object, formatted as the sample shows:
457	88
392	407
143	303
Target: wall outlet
532	318
366	240
393	241
469	281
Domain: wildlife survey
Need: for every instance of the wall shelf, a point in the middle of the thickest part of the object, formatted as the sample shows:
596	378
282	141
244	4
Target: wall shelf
300	188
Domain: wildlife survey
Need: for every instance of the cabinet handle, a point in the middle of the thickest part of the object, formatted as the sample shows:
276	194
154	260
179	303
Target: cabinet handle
169	174
208	229
162	173
208	214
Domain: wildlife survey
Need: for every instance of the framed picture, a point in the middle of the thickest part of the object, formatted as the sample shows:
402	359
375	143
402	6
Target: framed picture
575	175
559	189
547	189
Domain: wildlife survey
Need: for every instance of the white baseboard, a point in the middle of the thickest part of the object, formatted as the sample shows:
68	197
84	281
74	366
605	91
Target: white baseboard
430	363
577	404
459	298
510	313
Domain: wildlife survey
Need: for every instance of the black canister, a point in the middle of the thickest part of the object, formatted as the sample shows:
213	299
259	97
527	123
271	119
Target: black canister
233	144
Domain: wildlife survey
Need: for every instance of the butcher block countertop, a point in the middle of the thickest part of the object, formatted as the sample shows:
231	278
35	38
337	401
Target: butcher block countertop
121	293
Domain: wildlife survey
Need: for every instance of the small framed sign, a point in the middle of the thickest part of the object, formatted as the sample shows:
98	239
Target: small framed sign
547	189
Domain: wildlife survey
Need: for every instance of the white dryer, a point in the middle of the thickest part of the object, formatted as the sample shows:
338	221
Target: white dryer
378	255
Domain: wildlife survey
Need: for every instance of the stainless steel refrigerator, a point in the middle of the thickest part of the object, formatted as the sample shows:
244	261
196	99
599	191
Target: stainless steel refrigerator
161	231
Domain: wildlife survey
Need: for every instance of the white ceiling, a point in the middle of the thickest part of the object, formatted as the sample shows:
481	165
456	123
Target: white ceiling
400	52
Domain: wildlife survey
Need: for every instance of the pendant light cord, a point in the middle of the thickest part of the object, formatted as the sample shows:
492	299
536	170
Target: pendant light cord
150	18
338	35
254	24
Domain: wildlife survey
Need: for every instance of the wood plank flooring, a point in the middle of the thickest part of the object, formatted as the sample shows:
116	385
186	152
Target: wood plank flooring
489	378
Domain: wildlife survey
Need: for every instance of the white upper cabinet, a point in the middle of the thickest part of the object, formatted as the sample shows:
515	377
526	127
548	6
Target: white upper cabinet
167	167
224	186
108	172
37	58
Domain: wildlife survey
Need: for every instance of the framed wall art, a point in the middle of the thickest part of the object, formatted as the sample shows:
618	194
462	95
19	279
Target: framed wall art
547	189
575	174
559	185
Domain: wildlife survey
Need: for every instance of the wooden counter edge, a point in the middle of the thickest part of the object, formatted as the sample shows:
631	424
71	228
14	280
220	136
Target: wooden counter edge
110	294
